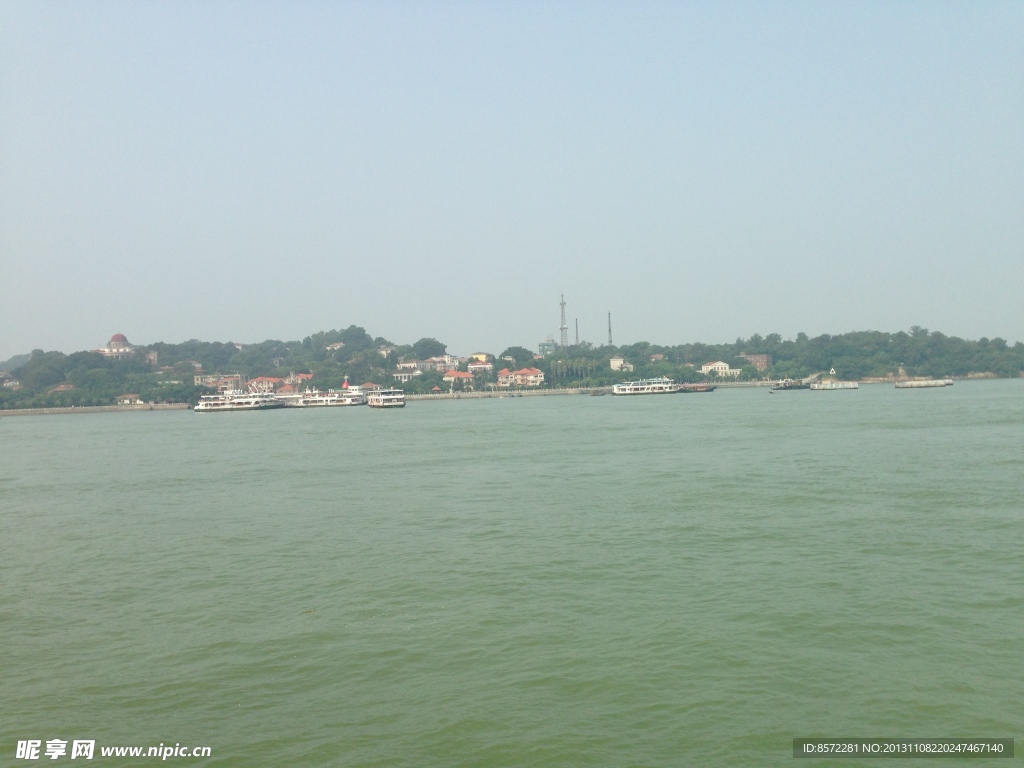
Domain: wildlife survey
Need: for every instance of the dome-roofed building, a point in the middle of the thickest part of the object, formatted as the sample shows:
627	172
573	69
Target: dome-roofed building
117	347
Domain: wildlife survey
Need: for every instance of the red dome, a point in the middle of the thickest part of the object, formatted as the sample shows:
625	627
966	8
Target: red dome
119	337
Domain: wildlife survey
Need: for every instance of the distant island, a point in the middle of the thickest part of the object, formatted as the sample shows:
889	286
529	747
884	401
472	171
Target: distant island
122	373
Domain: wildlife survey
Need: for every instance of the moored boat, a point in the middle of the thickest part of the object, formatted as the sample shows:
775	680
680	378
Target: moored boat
235	400
924	383
683	388
314	398
659	386
786	385
820	386
385	398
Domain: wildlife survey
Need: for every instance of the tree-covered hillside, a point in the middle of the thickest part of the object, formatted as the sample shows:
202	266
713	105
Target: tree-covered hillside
15	362
857	355
89	378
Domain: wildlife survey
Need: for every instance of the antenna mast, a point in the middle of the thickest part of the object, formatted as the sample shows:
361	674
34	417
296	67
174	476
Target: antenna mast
577	331
563	327
610	329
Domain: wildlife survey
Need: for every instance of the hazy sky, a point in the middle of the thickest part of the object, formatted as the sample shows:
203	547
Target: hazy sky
702	170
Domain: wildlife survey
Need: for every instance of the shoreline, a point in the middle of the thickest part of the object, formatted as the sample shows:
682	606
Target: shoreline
432	396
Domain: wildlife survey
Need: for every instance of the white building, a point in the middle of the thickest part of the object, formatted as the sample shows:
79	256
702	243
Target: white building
406	375
720	369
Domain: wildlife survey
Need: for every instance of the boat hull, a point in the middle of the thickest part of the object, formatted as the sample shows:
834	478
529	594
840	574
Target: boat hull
655	392
242	403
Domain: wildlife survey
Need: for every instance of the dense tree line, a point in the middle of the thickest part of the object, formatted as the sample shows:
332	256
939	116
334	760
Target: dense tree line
854	356
94	380
333	356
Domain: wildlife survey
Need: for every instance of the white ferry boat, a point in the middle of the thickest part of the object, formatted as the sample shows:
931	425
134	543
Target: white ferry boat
314	398
830	385
659	386
385	398
924	383
238	401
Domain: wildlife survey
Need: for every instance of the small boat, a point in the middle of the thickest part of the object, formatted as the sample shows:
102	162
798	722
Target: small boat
924	384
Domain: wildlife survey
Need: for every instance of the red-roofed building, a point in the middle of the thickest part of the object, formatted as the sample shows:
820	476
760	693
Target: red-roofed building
524	377
529	377
464	377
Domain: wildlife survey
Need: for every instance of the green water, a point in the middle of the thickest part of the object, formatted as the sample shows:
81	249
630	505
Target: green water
558	581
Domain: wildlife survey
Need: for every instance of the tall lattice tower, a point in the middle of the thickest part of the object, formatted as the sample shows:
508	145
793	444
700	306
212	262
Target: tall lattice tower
563	327
610	330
